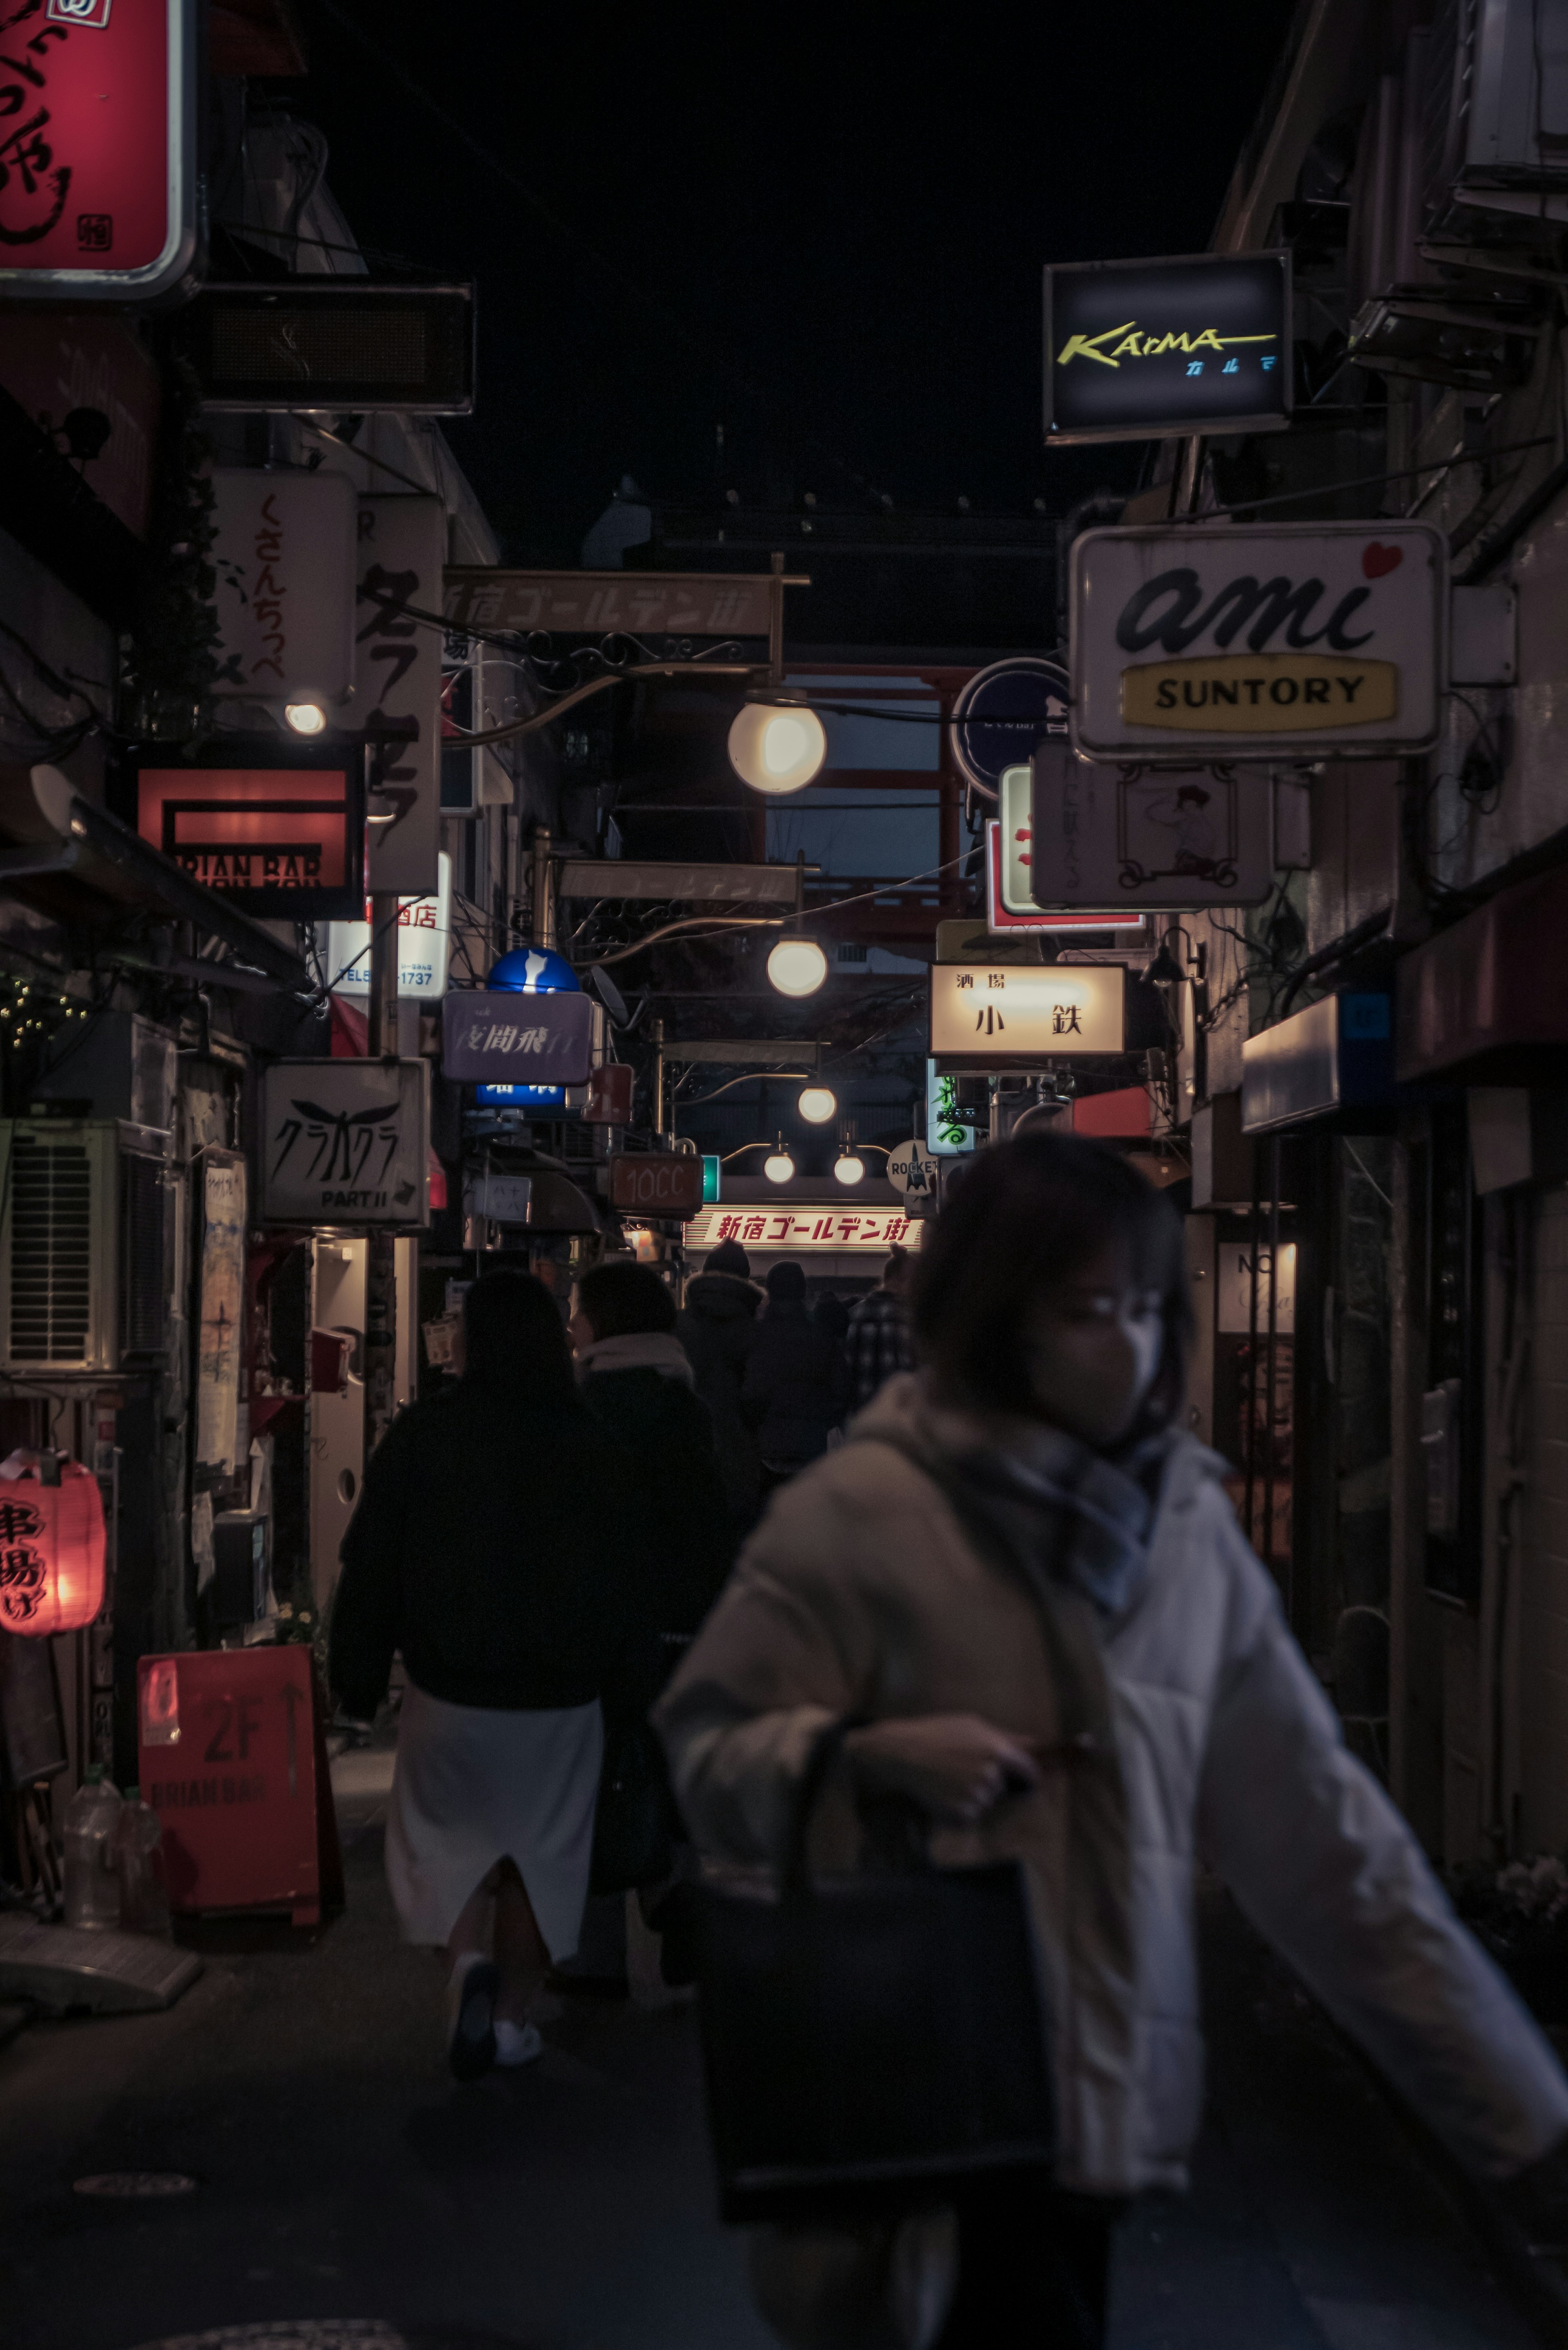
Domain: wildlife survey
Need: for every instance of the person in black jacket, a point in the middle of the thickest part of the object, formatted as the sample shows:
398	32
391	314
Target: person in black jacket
717	1326
637	1382
797	1389
496	1545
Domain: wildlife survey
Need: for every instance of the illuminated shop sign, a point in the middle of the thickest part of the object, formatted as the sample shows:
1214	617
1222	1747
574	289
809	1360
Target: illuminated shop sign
1136	349
1246	642
997	1016
792	1228
98	161
282	841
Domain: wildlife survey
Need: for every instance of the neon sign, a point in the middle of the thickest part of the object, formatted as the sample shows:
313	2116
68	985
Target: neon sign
1139	348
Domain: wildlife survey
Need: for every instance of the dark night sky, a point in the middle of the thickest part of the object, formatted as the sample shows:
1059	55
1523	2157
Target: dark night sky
822	227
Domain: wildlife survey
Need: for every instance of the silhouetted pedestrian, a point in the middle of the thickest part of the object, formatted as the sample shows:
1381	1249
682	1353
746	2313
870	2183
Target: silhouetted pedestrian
716	1327
796	1388
879	1343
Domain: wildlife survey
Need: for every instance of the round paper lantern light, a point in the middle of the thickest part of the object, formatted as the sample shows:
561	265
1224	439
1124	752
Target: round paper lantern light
52	1551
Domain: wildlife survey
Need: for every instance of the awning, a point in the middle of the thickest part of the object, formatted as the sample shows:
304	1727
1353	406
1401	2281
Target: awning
1487	1001
79	864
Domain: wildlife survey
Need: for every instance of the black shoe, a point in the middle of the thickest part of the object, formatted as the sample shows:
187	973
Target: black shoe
471	2052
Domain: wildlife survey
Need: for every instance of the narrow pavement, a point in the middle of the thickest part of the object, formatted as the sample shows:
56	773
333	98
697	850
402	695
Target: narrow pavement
348	2194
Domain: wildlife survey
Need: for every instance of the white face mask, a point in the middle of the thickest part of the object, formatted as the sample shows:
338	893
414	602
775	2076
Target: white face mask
1094	1348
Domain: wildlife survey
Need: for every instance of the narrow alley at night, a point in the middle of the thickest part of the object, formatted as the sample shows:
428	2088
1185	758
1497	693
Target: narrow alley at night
783	1178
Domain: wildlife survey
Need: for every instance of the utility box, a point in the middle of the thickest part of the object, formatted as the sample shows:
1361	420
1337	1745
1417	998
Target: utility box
86	1245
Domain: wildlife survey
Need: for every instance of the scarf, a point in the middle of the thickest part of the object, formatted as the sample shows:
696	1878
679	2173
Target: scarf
1058	1505
637	1350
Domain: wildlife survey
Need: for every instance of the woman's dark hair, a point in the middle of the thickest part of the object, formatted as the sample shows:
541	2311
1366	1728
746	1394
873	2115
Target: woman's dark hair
619	1299
513	1337
1028	1216
786	1283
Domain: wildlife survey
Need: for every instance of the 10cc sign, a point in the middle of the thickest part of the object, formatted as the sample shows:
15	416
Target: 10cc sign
1225	642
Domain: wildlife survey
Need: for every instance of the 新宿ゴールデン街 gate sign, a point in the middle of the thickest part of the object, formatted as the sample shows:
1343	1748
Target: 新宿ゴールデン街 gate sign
1234	642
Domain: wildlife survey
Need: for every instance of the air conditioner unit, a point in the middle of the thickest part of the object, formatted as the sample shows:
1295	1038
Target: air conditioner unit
86	1246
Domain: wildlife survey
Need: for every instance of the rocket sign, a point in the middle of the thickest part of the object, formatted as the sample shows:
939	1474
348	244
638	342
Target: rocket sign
1239	642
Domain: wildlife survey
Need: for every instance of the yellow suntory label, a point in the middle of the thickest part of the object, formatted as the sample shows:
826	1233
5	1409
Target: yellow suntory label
1259	693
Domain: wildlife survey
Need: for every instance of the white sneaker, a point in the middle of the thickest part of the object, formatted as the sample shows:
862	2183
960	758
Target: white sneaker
516	2043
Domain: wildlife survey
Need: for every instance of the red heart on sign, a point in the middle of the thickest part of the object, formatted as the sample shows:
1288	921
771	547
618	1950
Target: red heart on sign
1376	560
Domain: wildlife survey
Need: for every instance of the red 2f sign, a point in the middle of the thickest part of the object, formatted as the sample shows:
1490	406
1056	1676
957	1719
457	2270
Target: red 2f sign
97	148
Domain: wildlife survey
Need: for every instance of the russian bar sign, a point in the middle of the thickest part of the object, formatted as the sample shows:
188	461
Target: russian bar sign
1240	642
97	148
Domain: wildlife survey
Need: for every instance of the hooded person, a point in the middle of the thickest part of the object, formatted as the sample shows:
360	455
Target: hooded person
636	1379
797	1389
496	1546
1023	1537
717	1328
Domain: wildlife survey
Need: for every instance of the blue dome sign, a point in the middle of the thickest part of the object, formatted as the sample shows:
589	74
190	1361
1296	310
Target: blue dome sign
534	971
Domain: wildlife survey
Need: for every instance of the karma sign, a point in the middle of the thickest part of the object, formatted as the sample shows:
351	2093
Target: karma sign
1233	642
508	1038
345	1143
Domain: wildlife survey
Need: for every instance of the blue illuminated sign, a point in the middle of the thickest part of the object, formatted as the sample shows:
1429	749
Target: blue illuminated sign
521	1097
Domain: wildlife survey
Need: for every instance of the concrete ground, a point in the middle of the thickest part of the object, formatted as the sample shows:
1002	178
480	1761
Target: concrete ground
349	2197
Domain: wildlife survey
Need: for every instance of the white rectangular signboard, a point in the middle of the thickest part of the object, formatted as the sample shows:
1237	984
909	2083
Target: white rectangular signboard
1257	642
345	1143
988	1012
803	1227
507	1036
1175	837
283	556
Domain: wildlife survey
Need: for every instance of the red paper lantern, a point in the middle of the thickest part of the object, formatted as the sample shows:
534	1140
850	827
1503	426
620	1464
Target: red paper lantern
51	1552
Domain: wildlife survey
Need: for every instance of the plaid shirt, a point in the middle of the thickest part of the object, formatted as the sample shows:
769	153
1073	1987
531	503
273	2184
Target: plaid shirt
876	1343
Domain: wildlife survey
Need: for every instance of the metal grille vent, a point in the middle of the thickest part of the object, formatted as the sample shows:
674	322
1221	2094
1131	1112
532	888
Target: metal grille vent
51	1251
142	1256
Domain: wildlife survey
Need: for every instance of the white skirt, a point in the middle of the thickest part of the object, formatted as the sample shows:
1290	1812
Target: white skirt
474	1784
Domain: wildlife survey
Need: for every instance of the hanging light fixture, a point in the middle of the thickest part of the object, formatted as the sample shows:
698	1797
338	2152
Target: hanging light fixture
817	1104
848	1168
305	717
777	742
779	1167
798	966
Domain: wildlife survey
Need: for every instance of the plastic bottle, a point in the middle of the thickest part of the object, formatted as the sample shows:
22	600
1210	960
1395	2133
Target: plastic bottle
92	1880
139	1859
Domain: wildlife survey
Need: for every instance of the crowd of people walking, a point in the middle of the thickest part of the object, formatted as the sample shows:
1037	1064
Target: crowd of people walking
749	1588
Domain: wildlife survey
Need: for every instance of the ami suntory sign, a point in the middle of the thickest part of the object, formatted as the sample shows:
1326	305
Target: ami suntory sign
1219	641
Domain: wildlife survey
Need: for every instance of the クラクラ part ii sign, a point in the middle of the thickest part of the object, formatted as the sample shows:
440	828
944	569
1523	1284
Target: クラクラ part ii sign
345	1143
1233	642
97	148
1135	348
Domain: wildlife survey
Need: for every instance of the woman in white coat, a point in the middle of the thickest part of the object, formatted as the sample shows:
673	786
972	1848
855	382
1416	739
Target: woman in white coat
1026	1508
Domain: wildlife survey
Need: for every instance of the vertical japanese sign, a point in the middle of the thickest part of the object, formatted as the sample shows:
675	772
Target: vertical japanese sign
402	548
220	1289
285	554
97	149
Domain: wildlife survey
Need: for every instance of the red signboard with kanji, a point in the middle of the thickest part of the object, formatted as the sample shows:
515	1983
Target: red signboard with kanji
98	173
232	1759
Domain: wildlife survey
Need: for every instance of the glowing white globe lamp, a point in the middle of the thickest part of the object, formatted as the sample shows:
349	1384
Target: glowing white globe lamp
305	717
817	1104
847	1167
797	967
779	1167
777	745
